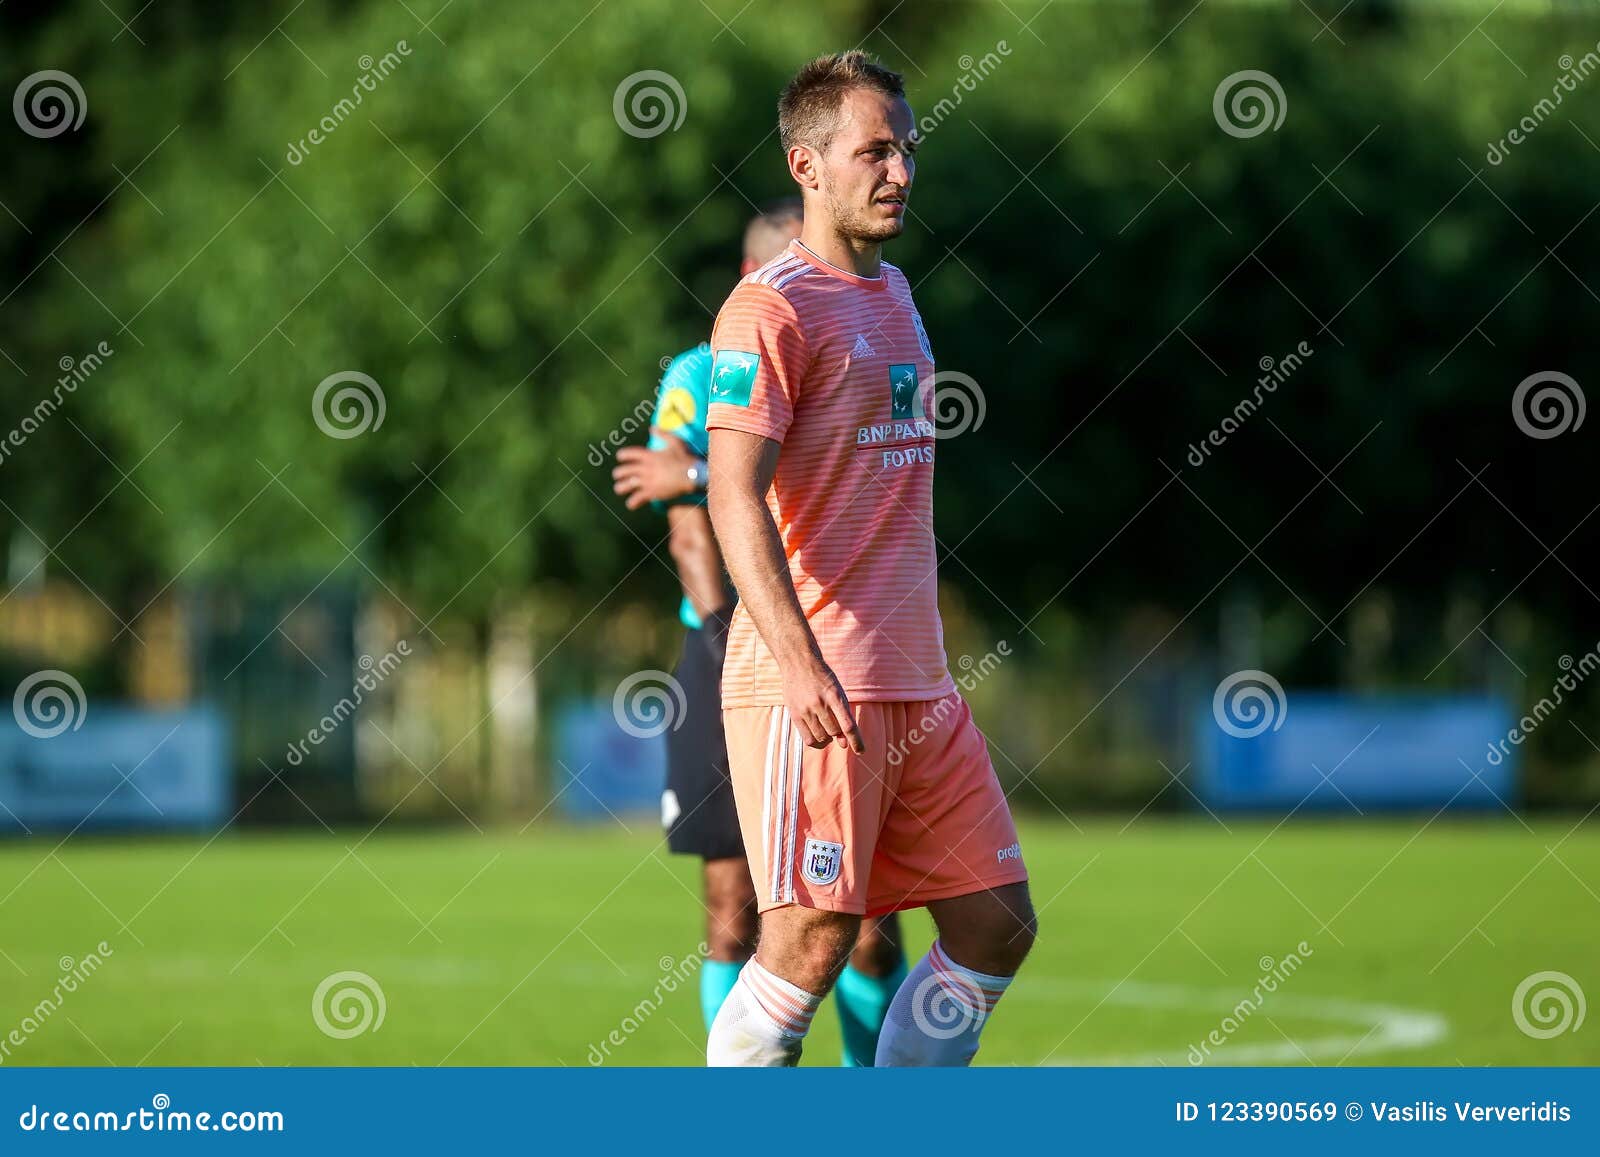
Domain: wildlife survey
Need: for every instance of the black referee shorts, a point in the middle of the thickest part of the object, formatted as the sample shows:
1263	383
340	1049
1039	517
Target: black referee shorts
697	807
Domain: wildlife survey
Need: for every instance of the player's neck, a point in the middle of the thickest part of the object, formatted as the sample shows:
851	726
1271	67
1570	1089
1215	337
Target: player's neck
862	258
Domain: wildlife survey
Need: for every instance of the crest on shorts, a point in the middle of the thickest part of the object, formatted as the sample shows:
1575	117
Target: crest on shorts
822	861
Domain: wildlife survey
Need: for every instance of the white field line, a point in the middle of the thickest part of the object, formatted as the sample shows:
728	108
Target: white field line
1383	1027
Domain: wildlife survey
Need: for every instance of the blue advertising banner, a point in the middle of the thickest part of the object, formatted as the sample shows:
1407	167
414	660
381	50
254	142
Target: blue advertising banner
114	767
605	768
1260	747
668	1111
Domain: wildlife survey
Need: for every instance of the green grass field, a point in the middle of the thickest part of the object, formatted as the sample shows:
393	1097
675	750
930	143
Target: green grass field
530	949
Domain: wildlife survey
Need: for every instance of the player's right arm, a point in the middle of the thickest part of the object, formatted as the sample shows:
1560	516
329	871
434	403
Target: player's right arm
744	465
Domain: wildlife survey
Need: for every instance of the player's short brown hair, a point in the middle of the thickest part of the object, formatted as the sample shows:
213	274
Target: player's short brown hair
808	110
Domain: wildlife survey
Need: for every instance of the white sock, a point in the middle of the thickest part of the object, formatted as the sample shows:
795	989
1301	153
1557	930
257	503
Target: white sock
938	1013
762	1023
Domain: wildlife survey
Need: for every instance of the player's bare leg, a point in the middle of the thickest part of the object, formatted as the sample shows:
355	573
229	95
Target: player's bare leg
940	1010
730	902
867	986
988	931
877	952
730	911
799	954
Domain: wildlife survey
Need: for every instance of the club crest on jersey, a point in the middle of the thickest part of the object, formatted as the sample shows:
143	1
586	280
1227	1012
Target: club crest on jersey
822	861
922	335
904	400
733	373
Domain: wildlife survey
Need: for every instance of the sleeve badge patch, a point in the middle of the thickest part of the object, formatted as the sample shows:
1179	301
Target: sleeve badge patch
733	373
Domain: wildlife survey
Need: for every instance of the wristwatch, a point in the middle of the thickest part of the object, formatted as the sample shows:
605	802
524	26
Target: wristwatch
699	473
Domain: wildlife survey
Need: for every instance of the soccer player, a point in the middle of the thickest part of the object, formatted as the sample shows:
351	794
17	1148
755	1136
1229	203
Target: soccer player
697	807
863	785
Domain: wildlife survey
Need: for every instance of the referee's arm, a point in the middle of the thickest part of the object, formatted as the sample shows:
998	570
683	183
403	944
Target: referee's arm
699	562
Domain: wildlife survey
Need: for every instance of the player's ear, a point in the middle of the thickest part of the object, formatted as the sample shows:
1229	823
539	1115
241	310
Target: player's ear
803	166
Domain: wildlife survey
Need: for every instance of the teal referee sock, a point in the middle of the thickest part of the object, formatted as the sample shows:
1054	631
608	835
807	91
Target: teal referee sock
863	1002
717	978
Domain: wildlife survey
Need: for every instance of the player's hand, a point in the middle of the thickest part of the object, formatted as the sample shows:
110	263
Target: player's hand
643	475
819	707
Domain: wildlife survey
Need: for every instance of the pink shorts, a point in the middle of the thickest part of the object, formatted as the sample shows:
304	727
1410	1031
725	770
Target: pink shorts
919	817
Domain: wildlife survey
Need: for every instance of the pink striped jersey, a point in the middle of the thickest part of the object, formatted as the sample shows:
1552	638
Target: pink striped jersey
838	369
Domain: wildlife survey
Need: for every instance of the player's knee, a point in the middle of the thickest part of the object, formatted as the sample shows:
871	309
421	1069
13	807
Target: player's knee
996	936
1017	935
809	949
828	944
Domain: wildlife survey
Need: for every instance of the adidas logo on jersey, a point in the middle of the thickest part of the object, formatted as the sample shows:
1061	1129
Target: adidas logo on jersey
863	347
